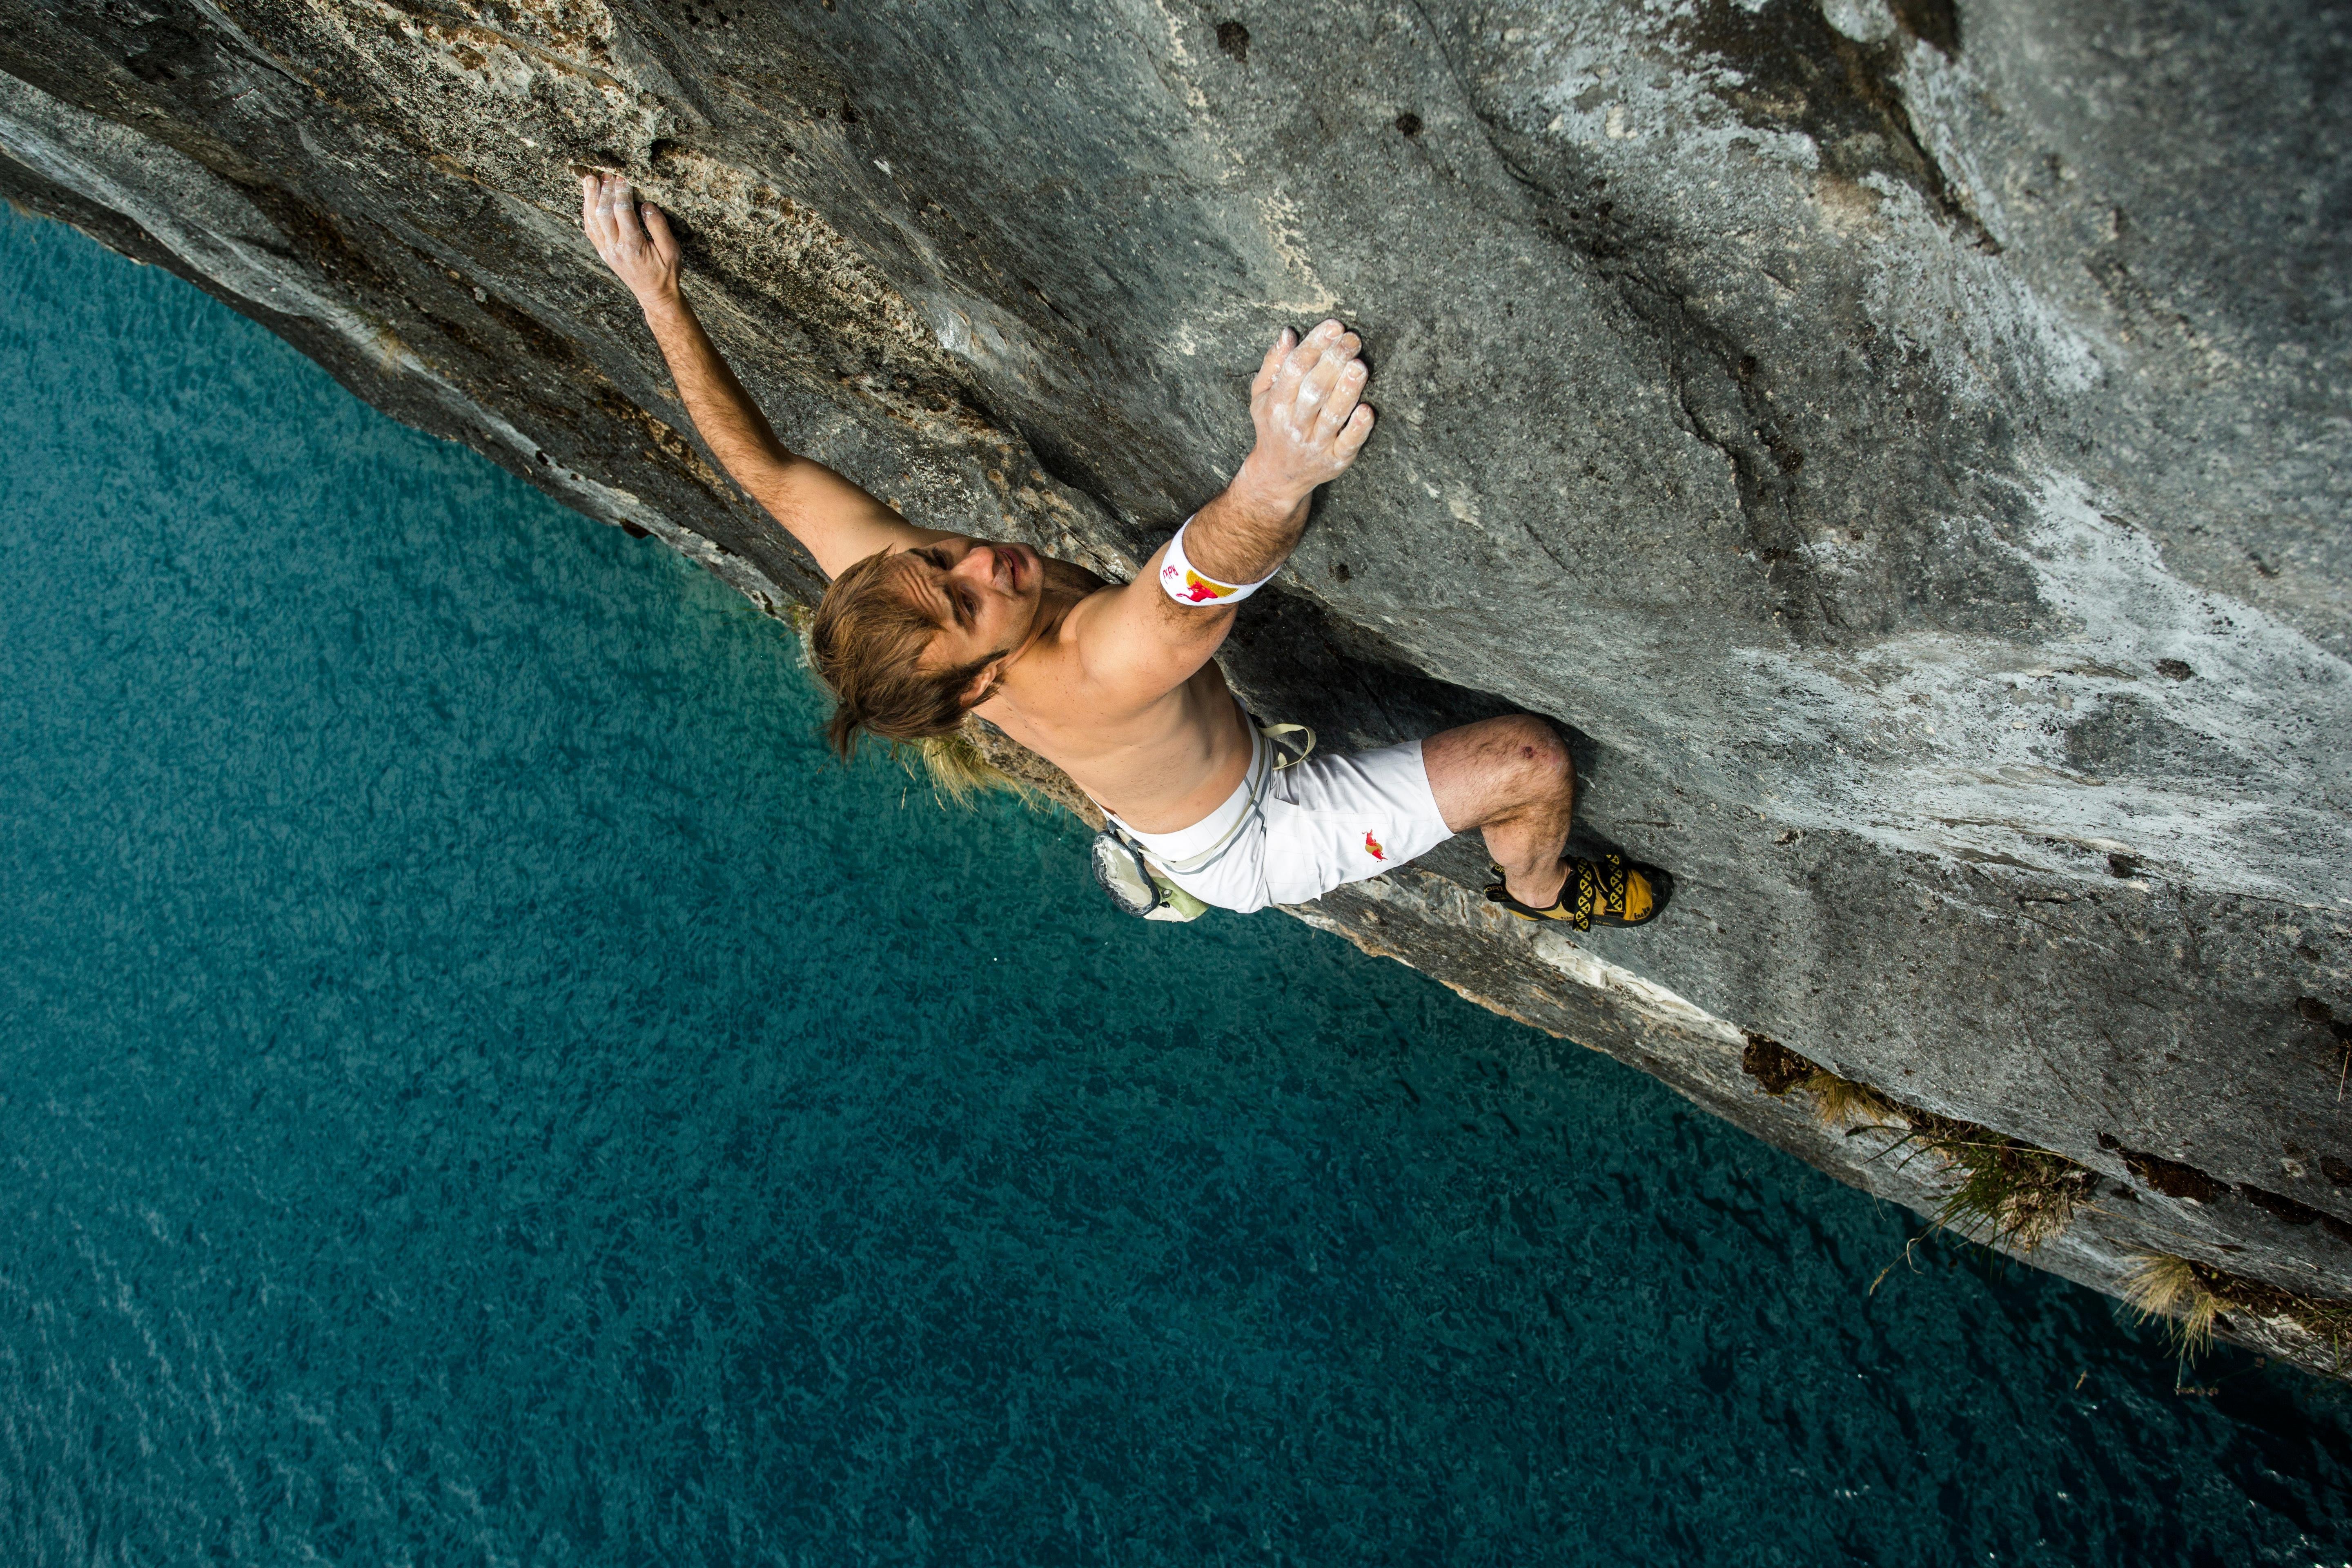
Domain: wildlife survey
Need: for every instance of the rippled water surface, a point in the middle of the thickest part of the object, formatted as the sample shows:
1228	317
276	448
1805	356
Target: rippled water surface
477	1087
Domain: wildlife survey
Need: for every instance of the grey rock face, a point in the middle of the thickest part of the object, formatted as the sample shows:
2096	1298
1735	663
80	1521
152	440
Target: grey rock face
1903	442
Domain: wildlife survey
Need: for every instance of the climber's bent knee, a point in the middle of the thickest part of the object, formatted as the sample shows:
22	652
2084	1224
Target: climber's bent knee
1329	821
1540	757
1498	768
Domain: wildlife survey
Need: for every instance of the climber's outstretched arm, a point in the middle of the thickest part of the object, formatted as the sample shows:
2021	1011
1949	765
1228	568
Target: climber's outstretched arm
1140	642
837	521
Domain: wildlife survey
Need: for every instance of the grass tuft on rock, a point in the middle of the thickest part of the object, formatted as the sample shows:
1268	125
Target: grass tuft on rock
1840	1103
2198	1299
2008	1191
2160	1286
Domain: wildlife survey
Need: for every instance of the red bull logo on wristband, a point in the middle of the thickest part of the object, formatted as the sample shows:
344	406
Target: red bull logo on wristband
1190	584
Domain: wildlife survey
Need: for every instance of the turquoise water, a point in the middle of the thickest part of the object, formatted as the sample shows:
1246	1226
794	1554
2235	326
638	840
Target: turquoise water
476	1087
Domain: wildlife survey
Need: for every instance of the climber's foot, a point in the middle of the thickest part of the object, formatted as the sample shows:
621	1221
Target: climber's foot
1608	891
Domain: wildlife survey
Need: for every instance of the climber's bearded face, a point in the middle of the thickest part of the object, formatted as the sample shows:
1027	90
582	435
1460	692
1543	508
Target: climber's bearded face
985	596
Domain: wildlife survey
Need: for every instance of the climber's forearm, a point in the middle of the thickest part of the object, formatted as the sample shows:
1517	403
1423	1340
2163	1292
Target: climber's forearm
838	522
724	416
1251	528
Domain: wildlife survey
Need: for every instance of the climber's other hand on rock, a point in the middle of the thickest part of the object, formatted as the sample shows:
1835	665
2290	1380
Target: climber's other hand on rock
1305	404
632	237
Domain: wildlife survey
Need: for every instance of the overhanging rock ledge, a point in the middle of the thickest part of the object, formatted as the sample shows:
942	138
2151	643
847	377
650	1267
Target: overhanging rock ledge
1905	441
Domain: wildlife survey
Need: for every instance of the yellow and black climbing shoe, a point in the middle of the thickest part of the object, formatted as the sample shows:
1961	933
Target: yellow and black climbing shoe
1607	891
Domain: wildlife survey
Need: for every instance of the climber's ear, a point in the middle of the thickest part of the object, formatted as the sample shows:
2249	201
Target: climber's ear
983	685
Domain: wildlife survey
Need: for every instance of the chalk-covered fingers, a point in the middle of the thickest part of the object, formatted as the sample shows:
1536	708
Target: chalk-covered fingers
620	198
1337	405
1352	436
1307	405
1284	342
1345	422
602	197
633	240
1293	360
594	220
1311	375
1315	363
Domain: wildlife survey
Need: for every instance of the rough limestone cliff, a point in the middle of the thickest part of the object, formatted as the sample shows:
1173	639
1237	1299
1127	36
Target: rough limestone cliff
1903	440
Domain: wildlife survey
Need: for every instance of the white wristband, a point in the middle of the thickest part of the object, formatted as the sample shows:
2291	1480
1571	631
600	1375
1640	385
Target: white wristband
1188	585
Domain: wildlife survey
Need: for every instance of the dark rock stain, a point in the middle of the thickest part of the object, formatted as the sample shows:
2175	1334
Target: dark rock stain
1798	73
319	238
2280	1206
1774	1066
1935	22
2170	1177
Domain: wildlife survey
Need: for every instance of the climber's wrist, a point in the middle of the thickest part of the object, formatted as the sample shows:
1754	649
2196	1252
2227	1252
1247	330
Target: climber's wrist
1259	487
662	298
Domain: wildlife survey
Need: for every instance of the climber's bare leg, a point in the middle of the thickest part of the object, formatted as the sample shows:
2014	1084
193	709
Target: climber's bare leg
1513	779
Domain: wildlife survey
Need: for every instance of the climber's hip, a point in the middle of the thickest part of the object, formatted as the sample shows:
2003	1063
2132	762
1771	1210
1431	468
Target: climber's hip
1295	833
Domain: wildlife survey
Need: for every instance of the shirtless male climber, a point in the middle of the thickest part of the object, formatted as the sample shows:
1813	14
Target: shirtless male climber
1117	684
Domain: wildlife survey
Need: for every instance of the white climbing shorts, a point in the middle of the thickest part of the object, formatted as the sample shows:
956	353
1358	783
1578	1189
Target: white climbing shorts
1321	824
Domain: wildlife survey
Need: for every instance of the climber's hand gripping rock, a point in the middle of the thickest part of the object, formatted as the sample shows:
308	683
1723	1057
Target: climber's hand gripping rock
633	239
1310	422
1304	402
